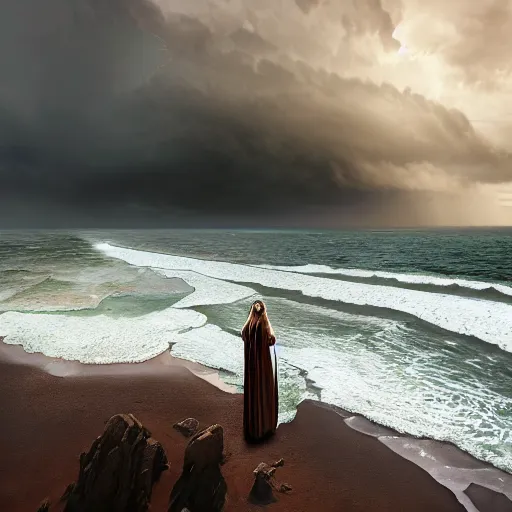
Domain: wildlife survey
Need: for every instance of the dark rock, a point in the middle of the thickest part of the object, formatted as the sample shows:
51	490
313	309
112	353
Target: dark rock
201	486
45	505
118	472
285	488
225	458
487	500
187	427
262	489
67	492
265	483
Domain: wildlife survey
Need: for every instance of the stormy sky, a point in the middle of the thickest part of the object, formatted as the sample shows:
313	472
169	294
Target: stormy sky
327	113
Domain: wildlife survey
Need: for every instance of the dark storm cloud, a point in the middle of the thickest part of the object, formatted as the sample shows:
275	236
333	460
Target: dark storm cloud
111	109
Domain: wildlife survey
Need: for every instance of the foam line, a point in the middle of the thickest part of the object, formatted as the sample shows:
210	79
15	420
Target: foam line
212	347
402	278
98	339
208	291
490	321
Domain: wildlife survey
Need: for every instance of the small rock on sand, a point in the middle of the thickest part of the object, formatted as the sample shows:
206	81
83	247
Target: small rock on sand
187	427
45	505
265	483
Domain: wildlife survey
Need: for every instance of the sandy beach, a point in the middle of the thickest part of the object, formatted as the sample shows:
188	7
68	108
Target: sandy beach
49	420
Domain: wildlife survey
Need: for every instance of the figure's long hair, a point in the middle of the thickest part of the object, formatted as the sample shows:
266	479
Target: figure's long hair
256	319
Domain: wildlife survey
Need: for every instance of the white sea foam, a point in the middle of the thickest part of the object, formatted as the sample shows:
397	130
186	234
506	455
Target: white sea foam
365	381
354	379
213	347
207	290
402	278
490	321
98	339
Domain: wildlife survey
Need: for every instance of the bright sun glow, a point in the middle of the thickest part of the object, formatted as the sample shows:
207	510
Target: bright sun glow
403	50
398	36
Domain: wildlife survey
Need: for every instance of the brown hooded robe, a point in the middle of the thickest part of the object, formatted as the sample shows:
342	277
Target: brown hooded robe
260	380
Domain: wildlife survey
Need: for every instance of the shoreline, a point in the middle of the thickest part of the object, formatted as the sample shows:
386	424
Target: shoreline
39	332
443	461
58	367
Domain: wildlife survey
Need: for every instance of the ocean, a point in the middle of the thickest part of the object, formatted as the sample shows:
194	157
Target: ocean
410	328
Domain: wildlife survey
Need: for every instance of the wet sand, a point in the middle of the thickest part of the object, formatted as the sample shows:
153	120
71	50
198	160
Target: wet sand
48	420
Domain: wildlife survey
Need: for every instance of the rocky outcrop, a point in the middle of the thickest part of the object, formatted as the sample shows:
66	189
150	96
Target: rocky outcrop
45	505
187	427
118	472
201	486
487	500
262	492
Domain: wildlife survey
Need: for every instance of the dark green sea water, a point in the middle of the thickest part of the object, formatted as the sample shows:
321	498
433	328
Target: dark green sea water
409	328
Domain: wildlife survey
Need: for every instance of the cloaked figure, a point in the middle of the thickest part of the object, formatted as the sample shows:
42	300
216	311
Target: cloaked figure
260	376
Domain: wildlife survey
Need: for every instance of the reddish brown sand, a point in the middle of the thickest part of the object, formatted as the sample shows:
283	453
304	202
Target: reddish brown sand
47	421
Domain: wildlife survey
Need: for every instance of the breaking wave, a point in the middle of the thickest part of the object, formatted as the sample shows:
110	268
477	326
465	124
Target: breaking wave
98	339
484	319
445	283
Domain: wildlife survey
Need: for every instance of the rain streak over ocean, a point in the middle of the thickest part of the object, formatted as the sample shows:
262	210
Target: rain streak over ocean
412	329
